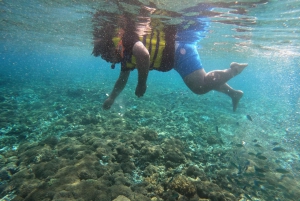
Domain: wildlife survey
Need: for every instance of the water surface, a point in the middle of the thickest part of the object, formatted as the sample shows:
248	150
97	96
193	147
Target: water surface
51	86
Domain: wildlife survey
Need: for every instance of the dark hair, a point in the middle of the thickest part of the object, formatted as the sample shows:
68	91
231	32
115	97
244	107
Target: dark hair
103	41
105	29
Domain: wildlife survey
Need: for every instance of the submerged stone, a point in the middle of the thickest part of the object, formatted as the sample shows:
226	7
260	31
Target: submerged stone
283	171
121	198
183	185
194	171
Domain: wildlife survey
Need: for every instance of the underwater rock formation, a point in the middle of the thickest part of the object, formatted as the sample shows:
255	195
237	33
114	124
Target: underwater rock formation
183	185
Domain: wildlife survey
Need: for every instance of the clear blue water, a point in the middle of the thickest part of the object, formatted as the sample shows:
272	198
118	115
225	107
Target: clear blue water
45	49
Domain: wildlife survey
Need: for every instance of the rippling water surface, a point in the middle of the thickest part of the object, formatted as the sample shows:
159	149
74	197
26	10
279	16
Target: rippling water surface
51	85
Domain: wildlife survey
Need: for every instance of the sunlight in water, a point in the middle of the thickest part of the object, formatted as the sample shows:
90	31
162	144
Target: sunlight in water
58	143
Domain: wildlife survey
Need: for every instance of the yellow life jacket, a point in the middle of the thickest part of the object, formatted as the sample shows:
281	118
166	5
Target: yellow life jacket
155	43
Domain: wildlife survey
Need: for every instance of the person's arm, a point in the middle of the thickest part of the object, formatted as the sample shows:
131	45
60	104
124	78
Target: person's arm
118	88
143	62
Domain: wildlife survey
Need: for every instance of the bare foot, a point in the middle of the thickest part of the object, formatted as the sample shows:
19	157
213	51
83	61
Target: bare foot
237	68
236	99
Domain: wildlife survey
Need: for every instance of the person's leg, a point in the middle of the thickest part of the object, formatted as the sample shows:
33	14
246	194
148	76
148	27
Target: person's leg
235	95
214	79
201	82
188	65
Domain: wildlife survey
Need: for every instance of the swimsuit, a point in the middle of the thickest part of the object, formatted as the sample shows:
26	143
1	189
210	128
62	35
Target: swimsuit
187	59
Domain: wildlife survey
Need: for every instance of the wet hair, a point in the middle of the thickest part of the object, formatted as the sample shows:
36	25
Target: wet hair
105	29
103	42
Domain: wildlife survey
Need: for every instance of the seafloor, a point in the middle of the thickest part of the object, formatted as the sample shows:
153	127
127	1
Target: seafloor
58	144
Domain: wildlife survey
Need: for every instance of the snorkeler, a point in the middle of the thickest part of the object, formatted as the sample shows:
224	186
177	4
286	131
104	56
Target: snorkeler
139	44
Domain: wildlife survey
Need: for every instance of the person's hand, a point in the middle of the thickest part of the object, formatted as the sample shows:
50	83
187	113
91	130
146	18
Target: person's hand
140	90
108	103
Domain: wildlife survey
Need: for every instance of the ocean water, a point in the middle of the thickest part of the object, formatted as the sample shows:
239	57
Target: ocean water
57	143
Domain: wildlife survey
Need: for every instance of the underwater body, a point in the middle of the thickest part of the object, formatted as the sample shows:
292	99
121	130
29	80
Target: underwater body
57	143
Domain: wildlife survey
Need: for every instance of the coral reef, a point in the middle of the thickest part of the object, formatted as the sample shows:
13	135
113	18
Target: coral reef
59	145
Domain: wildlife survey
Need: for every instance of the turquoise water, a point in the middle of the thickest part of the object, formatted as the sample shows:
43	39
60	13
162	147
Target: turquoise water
57	143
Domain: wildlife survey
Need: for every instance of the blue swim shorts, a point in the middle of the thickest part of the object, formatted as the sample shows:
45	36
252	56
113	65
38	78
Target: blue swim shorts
187	59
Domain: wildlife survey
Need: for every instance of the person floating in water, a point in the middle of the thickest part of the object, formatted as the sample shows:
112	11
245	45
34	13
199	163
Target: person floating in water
142	43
